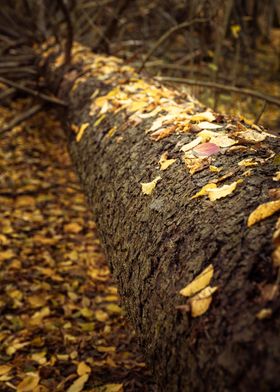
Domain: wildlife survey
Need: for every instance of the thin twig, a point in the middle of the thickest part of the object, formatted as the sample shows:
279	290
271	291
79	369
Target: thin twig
34	93
261	112
218	86
21	117
166	35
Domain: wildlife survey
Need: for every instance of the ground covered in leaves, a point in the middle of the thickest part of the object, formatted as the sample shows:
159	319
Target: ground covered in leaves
61	327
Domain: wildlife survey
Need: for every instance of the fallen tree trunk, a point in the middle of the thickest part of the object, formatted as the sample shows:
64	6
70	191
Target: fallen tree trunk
129	139
167	210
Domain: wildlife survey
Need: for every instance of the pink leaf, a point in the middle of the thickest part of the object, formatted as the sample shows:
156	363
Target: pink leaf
206	149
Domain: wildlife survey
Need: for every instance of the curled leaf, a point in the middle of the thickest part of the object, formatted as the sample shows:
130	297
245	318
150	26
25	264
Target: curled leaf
263	211
204	116
200	282
78	384
200	302
81	131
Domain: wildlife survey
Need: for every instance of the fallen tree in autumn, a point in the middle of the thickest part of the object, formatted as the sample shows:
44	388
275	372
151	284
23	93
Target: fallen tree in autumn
186	203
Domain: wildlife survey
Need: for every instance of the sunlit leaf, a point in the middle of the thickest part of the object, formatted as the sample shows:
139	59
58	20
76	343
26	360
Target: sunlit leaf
83	368
29	383
164	162
148	187
263	211
200	302
78	384
199	283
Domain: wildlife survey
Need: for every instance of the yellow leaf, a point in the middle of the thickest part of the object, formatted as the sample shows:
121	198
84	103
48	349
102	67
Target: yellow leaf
100	315
204	190
99	120
5	369
248	162
264	313
164	162
37	317
199	283
223	191
81	131
83	368
6	255
148	187
72	228
201	301
215	169
39	357
263	211
113	308
277	176
78	384
235	30
29	383
204	116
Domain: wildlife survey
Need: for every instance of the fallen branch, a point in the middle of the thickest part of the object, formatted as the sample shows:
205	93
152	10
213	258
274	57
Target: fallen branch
218	86
166	35
32	92
21	117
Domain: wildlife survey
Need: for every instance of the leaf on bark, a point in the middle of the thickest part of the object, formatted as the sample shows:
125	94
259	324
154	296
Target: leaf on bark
263	211
199	283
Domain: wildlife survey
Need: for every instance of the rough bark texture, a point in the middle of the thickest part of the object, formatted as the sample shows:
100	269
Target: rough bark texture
156	244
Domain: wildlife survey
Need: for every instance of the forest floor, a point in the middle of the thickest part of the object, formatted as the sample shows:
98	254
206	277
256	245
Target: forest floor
61	327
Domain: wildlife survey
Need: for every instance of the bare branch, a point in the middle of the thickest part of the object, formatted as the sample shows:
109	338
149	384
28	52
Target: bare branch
166	35
218	86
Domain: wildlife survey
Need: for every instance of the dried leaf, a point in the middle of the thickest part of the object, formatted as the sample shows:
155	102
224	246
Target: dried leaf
248	162
83	368
39	357
208	125
252	136
81	131
5	369
223	191
164	162
6	255
72	228
264	314
78	384
223	141
148	187
199	283
277	176
263	211
191	145
204	116
206	149
204	190
162	133
29	383
200	302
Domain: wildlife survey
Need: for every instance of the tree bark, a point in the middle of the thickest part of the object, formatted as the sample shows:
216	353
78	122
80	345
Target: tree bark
157	244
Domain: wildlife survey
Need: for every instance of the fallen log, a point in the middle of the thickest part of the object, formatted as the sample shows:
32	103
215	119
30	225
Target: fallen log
186	203
177	190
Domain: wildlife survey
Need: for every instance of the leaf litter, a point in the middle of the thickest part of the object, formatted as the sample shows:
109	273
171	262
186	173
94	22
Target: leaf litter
61	326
